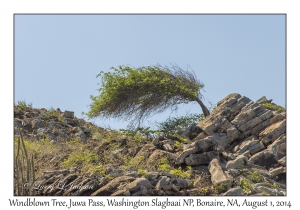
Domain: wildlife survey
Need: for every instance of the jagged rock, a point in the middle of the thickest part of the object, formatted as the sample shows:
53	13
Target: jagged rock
81	134
217	174
111	186
267	191
157	155
277	171
156	141
68	114
228	156
282	161
168	147
201	159
264	158
231	105
181	183
152	175
263	100
212	123
139	186
234	192
180	159
164	173
190	129
36	123
273	132
238	163
255	148
116	173
240	149
163	183
278	147
146	151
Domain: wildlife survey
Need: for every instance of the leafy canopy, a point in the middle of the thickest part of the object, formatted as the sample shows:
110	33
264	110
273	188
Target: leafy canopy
137	93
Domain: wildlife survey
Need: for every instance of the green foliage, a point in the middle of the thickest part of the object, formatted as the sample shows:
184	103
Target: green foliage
140	134
55	114
163	164
274	107
254	176
178	137
23	105
98	170
134	162
220	188
142	172
140	92
204	191
83	158
183	174
24	170
246	186
179	124
178	146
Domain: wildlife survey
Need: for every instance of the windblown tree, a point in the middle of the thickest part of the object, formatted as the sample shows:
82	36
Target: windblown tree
137	93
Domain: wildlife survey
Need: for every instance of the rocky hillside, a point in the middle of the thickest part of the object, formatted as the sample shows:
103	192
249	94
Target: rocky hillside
240	149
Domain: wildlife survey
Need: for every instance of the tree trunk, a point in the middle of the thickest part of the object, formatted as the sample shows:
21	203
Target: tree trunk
203	107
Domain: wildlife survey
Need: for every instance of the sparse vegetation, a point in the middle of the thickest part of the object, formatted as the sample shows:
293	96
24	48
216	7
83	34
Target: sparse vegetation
246	186
23	105
221	188
176	125
274	107
204	191
181	173
254	176
24	169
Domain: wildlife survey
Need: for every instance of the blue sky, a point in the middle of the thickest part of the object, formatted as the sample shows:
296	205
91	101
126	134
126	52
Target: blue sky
57	57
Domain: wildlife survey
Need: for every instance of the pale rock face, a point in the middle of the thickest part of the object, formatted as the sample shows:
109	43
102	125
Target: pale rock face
239	163
234	192
201	159
217	174
273	132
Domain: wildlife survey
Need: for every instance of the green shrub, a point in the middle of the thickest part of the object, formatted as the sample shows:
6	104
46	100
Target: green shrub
183	174
23	105
274	107
246	186
84	158
220	188
175	125
163	164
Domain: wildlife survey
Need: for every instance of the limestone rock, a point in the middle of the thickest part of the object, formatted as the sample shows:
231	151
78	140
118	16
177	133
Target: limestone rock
234	192
111	186
263	100
282	161
278	147
264	158
181	183
217	174
138	184
68	114
273	132
163	183
201	159
239	163
180	159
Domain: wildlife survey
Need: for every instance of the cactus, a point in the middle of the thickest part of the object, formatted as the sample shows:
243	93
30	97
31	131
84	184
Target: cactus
24	170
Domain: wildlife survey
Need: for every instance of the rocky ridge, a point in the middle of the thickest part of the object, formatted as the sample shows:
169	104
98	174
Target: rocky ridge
240	149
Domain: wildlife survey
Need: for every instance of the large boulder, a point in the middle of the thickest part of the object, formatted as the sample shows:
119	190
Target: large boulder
201	159
218	176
